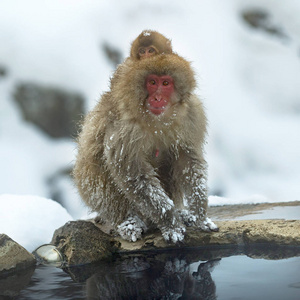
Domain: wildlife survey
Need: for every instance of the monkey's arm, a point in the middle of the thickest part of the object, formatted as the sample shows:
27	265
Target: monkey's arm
138	180
190	171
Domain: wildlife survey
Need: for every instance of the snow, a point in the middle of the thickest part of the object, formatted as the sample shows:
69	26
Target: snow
285	212
31	220
132	229
252	199
247	78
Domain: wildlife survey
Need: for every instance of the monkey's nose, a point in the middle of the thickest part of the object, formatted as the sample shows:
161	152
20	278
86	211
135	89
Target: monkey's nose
158	98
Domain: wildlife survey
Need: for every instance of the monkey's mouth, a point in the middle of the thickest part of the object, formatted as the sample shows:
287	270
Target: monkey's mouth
157	110
157	107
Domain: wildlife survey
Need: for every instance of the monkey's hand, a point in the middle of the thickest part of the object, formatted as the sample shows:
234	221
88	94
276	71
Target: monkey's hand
189	219
173	234
132	229
207	225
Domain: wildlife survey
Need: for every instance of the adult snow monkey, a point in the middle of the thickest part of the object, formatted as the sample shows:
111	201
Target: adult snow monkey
140	152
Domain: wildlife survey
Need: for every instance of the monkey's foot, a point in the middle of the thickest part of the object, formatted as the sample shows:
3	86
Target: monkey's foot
173	234
132	229
187	217
207	225
190	219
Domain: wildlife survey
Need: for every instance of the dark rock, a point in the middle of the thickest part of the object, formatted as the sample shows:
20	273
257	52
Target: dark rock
16	267
55	111
81	242
255	18
3	71
13	257
260	19
114	56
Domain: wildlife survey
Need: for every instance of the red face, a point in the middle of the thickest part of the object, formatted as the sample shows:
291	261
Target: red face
160	90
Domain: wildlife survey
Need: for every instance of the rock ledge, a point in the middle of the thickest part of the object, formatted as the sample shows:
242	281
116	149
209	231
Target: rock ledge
94	245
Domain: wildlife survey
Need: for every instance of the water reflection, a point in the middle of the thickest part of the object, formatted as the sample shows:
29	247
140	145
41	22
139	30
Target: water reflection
50	283
139	279
230	273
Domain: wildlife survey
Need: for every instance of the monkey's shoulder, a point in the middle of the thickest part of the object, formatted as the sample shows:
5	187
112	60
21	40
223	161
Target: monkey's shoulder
106	106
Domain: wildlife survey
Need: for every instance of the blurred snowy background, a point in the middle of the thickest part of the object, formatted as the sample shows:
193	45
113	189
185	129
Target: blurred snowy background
56	58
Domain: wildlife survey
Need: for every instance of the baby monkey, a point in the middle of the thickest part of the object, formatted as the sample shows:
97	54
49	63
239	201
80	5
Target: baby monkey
150	43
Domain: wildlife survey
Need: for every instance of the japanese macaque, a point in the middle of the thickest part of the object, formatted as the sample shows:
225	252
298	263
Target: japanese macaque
140	153
150	43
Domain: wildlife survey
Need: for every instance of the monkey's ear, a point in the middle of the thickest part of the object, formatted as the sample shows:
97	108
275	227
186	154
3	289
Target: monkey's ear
134	53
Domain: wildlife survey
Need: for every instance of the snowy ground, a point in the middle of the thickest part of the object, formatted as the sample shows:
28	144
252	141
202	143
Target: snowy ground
248	80
31	220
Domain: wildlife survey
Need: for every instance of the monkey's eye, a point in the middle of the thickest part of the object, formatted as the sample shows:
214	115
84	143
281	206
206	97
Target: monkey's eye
152	82
142	51
151	50
166	83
